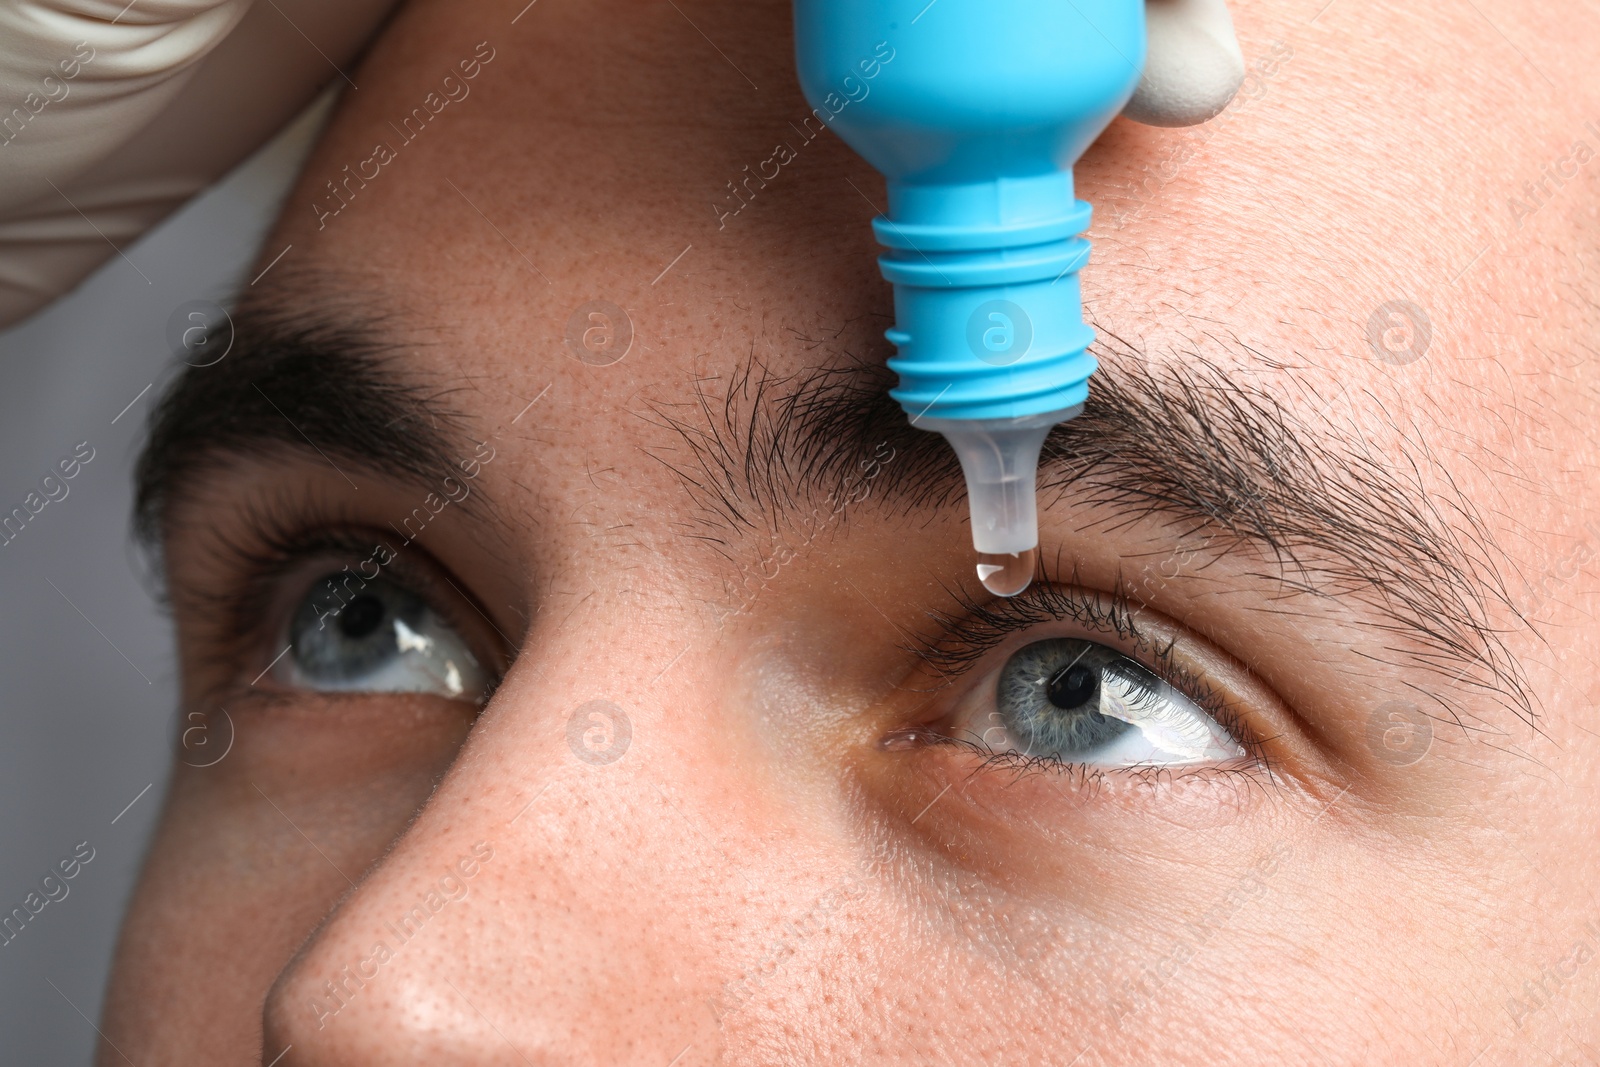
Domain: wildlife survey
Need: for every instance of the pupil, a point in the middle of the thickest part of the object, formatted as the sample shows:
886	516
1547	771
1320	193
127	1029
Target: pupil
361	617
1072	687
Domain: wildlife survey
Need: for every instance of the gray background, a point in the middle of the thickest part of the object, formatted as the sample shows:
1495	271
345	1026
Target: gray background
89	691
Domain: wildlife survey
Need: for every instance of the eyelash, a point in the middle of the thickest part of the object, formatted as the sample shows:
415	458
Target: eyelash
275	546
963	640
257	563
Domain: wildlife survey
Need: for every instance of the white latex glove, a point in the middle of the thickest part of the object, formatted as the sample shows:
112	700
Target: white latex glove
1192	67
87	76
113	114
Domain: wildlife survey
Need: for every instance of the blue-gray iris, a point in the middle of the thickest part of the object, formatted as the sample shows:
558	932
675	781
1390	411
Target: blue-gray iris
1053	697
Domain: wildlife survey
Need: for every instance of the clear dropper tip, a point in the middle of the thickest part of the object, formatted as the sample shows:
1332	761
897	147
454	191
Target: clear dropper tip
1000	460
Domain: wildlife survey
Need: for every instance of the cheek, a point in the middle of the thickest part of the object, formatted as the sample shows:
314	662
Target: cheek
912	985
233	883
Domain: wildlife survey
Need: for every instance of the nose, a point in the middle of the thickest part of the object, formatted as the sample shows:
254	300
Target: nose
549	905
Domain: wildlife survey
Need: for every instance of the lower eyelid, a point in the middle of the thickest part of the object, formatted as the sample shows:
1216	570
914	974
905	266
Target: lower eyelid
1029	813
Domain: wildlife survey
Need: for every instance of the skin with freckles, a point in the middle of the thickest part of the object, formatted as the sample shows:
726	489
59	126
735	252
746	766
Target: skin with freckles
796	828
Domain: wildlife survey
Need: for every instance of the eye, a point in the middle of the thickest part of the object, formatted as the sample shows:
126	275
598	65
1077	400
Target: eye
375	636
1080	702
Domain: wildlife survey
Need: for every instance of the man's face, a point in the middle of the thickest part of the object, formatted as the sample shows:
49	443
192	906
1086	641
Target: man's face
595	656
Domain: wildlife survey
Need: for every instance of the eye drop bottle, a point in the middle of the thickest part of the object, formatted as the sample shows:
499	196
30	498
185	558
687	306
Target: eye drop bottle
975	123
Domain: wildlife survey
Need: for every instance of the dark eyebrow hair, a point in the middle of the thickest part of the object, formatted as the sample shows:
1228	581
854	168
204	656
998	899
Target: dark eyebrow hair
319	382
1186	440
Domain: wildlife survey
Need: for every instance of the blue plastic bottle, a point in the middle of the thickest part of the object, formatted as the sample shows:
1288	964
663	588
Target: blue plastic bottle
976	119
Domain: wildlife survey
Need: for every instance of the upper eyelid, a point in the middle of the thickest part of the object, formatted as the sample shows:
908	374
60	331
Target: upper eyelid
260	576
963	640
253	564
258	532
419	573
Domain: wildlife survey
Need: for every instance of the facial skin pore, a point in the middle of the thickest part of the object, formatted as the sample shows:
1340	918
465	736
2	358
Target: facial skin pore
707	812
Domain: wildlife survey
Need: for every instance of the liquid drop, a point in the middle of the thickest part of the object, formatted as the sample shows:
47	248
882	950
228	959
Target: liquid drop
1007	574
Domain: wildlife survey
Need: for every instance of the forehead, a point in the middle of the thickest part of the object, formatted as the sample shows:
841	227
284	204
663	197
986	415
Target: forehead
533	196
529	201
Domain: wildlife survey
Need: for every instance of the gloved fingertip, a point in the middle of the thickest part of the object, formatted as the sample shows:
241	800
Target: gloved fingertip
1193	64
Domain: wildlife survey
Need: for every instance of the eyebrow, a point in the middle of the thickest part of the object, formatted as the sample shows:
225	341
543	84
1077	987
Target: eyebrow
316	383
1185	441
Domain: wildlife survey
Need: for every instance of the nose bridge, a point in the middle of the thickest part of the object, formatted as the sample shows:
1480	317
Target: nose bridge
558	869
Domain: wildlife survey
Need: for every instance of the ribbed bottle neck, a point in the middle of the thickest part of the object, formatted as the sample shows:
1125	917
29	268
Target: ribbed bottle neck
996	213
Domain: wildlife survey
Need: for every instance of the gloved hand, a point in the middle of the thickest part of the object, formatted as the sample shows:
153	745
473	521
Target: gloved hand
113	114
